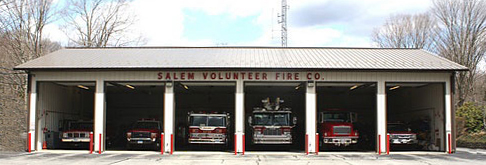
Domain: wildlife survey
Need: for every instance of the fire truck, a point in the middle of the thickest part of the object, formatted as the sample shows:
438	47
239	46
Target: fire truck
272	124
208	128
336	127
144	133
77	133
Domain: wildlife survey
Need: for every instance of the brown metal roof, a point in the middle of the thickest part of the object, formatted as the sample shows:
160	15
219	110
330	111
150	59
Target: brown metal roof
241	58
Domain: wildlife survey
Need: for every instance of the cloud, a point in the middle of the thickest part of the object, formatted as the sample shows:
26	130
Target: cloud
311	22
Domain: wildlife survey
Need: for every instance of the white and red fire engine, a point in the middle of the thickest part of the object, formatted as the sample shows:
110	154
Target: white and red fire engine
208	128
272	124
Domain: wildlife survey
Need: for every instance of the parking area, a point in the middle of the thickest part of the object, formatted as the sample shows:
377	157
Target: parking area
463	156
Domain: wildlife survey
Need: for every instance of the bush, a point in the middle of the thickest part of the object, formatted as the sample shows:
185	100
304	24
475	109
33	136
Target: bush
473	116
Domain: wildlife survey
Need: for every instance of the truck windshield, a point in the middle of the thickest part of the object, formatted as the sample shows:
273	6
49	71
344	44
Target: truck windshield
214	121
272	119
85	126
335	117
397	128
146	125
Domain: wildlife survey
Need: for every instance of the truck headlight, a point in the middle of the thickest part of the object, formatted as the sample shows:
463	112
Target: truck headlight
64	135
286	133
414	136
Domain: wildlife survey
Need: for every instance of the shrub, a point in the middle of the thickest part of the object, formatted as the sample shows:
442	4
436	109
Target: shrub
473	116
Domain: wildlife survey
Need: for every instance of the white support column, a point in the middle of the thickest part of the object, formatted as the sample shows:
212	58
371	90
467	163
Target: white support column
99	116
32	114
310	114
169	108
448	114
381	115
239	115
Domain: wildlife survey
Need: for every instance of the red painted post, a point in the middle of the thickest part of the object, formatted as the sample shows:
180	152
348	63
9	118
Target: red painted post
99	149
30	142
306	144
387	144
450	143
90	142
171	144
379	144
243	139
317	143
162	143
235	143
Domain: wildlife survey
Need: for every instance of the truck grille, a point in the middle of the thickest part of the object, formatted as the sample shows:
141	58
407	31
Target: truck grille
342	130
140	134
272	131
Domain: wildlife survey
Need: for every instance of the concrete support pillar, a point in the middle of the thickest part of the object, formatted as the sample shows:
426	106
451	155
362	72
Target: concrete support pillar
169	109
239	115
99	117
32	114
310	114
381	116
448	116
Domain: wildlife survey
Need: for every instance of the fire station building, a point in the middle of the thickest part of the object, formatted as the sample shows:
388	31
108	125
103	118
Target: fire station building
394	100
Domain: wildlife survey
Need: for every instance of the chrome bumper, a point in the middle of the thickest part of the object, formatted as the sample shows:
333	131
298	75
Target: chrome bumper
269	139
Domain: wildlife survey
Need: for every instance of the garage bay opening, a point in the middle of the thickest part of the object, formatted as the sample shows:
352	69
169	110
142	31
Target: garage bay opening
204	116
415	116
275	116
65	114
346	116
134	113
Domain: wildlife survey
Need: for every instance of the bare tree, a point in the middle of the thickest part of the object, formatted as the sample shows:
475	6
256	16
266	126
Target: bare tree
406	31
99	23
462	38
21	39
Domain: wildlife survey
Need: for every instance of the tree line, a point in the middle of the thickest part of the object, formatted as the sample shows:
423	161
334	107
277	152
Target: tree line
85	23
455	30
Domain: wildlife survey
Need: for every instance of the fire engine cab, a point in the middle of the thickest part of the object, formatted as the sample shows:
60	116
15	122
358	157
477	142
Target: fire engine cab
272	124
208	128
336	127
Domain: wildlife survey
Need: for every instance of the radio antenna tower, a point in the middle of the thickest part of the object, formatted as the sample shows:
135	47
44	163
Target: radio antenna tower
283	21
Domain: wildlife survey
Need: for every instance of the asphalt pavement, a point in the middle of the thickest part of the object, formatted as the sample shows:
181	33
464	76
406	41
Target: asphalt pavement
53	157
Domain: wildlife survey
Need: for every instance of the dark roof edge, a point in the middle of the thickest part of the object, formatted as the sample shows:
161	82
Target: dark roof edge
237	69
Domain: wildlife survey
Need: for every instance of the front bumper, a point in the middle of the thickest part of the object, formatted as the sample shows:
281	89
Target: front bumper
346	140
142	141
207	138
75	140
272	139
403	141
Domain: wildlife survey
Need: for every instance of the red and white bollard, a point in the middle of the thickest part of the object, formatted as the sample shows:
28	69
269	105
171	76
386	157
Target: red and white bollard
449	142
306	144
91	142
29	141
99	149
171	144
379	144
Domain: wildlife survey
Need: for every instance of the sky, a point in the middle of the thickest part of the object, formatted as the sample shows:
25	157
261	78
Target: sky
311	23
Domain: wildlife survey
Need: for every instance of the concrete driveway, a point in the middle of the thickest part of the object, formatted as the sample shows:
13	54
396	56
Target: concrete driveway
463	156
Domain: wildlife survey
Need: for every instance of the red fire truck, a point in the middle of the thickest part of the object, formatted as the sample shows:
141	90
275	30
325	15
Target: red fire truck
336	127
144	133
272	124
208	128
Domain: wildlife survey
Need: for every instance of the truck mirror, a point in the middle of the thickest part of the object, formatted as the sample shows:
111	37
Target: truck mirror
354	117
250	120
294	120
